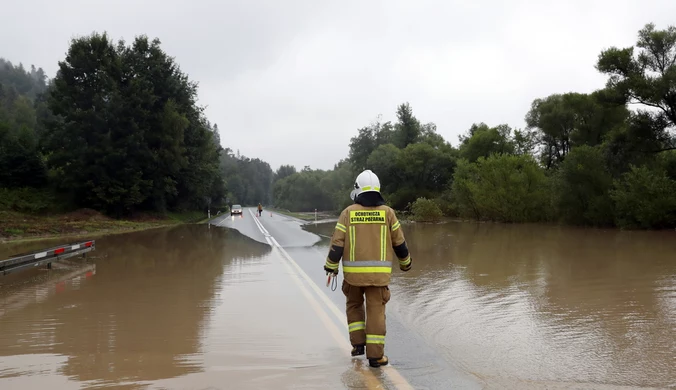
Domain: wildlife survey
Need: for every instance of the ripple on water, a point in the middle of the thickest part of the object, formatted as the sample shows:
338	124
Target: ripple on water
554	314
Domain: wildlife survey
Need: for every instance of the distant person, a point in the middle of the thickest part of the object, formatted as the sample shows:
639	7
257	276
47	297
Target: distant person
361	239
260	210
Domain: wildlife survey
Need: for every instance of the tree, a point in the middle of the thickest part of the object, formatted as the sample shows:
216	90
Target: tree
429	135
644	198
93	151
501	188
216	134
581	187
29	84
284	171
384	162
249	181
302	191
337	184
524	142
422	171
20	163
407	128
482	141
649	76
366	141
130	135
573	119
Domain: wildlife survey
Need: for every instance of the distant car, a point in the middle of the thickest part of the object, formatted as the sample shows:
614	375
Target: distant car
236	209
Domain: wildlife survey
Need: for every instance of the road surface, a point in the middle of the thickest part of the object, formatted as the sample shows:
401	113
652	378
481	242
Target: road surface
414	364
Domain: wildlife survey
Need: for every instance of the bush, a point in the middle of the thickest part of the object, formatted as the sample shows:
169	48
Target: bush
27	200
581	188
502	188
189	216
425	210
645	198
446	204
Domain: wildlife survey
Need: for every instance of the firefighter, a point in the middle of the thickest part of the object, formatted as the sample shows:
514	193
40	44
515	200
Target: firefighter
361	239
260	210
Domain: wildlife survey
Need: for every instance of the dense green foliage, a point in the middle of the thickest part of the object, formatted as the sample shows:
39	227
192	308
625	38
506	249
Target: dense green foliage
502	187
21	164
249	181
27	200
581	188
426	210
118	128
309	189
583	159
130	134
645	199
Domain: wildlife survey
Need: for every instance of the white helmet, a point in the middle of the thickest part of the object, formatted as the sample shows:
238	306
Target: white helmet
367	181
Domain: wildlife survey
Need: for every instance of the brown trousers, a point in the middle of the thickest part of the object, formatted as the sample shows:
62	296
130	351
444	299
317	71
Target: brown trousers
367	327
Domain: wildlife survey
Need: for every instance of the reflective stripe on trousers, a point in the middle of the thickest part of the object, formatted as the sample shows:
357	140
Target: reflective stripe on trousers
354	326
375	339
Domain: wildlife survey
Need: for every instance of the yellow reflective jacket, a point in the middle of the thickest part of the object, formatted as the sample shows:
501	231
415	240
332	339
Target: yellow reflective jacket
365	238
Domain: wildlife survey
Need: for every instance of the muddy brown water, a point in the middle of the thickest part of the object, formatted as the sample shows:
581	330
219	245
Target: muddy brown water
517	306
523	306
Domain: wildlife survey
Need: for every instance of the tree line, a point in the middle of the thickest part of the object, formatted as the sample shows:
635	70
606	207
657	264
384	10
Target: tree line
118	130
602	159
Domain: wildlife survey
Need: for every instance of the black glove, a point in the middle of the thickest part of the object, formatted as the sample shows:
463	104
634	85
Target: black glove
331	271
407	266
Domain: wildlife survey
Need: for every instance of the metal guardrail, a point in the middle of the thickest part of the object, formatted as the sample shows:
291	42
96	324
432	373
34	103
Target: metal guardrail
46	256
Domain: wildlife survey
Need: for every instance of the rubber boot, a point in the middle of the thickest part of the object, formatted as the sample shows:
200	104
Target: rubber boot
358	350
383	361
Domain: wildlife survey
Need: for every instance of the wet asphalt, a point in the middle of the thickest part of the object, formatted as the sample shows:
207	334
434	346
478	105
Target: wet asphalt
412	359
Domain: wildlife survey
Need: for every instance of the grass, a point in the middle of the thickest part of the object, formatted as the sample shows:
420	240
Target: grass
188	216
29	200
30	213
20	226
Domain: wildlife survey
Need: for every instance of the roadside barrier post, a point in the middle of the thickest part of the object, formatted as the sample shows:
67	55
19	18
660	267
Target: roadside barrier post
45	256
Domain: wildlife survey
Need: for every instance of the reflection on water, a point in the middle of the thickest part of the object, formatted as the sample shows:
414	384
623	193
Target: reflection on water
522	305
135	311
188	307
518	306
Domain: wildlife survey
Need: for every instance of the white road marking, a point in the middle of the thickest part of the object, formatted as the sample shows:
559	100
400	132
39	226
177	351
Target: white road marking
397	379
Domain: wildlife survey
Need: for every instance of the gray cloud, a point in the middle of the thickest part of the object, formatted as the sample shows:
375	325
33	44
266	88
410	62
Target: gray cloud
292	81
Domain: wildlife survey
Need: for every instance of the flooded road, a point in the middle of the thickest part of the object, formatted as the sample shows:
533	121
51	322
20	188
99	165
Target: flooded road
242	304
189	307
534	306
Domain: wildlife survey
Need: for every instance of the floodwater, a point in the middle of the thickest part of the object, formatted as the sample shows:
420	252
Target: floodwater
523	306
189	307
205	307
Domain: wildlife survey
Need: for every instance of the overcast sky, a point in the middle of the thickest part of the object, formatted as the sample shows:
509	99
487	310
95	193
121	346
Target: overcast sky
291	81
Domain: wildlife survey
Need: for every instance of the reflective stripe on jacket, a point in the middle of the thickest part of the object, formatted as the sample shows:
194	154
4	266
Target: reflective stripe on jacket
364	238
